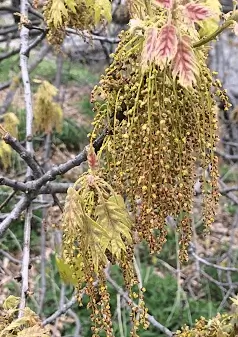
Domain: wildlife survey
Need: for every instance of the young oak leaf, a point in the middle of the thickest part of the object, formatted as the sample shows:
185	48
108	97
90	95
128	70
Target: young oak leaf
149	49
71	4
93	238
11	302
72	218
89	235
167	43
196	12
17	324
184	63
66	273
92	158
236	29
57	12
137	9
113	216
164	3
209	25
102	8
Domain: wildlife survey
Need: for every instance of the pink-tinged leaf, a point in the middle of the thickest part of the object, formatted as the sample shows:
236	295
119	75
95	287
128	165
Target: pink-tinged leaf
184	63
148	53
196	12
236	29
92	158
164	3
167	43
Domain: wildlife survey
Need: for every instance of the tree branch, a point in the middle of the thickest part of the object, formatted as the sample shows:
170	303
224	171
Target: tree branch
25	154
35	186
60	311
24	34
22	204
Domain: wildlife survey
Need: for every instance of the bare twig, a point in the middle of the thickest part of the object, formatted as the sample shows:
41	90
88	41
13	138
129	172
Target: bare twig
207	263
60	311
77	331
16	185
7	200
22	204
226	155
8	256
25	153
50	188
228	194
35	43
35	186
150	318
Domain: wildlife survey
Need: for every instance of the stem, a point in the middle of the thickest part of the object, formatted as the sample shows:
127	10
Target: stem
226	24
148	7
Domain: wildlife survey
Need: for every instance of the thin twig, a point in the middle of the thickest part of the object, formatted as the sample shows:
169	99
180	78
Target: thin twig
35	186
60	311
216	266
150	318
7	200
77	331
8	256
22	204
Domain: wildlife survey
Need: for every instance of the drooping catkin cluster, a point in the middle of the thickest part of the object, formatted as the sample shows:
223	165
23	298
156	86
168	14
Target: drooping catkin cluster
220	325
48	114
157	99
10	124
80	15
160	131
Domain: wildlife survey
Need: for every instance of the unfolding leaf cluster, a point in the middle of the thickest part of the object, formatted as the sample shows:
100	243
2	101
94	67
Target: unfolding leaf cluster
224	325
77	14
96	230
28	325
95	222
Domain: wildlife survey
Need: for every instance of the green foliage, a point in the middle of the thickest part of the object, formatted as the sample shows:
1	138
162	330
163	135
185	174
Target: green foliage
73	136
9	67
72	72
86	108
160	290
209	25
